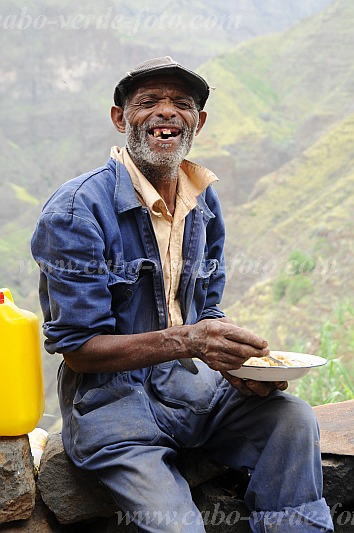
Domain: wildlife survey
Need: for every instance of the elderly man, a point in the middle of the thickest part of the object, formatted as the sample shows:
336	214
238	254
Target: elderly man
132	272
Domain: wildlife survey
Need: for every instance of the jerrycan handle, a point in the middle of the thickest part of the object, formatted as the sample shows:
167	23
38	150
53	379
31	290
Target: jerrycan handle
5	293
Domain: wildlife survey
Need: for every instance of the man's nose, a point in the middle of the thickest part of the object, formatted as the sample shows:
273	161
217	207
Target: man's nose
166	109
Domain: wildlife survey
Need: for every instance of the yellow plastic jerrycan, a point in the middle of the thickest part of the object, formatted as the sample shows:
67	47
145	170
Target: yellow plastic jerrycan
21	374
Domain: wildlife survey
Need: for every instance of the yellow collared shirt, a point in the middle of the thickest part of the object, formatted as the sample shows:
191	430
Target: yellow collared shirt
193	179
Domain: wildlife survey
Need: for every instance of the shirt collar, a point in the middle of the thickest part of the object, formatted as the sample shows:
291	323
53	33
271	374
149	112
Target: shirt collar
193	179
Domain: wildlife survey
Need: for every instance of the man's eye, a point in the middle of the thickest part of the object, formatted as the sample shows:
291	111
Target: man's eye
148	103
183	104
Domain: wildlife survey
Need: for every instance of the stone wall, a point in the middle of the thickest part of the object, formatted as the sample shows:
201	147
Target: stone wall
64	499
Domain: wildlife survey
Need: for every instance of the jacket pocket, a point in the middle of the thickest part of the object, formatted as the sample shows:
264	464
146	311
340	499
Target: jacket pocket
176	386
206	269
114	414
202	282
133	299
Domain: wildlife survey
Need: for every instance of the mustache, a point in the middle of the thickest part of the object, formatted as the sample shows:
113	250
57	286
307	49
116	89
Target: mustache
162	123
170	122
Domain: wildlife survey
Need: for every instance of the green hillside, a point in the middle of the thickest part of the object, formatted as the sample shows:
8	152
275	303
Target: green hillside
279	135
281	130
57	91
276	95
291	263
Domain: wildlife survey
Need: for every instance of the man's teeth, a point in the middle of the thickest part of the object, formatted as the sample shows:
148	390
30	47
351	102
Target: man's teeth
164	133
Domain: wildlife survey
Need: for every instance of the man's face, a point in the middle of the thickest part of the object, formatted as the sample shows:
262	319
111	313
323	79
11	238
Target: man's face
161	120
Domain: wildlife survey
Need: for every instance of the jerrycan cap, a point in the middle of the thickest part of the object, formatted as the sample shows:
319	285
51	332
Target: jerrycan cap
2	297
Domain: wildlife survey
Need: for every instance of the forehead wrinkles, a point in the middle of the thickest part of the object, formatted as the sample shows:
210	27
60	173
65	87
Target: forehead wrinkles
162	87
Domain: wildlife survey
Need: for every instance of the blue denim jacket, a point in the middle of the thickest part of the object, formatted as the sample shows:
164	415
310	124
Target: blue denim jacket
100	273
100	266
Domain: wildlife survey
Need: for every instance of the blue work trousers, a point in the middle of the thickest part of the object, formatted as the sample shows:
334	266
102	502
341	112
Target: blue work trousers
275	438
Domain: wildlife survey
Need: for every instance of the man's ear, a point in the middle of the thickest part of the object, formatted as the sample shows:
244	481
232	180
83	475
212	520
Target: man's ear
201	122
117	116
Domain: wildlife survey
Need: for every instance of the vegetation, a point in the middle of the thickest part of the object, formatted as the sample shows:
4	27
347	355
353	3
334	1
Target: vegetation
293	283
280	135
307	207
335	381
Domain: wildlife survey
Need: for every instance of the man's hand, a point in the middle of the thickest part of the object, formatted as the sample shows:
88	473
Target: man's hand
224	346
250	387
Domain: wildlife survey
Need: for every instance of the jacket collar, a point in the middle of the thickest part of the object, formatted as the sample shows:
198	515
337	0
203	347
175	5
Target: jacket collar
125	197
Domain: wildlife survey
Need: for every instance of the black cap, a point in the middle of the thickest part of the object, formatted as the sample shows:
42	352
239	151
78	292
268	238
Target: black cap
161	65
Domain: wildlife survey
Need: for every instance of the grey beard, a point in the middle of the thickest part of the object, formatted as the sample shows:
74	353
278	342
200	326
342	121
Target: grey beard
154	166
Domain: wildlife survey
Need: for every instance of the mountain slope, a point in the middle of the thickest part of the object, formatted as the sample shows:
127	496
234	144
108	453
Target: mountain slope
293	246
276	95
56	90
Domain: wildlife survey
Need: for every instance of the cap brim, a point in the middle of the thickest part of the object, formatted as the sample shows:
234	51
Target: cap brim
199	85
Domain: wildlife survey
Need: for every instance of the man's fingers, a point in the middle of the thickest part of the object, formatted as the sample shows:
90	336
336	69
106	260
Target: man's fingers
263	388
250	387
224	346
238	384
243	351
231	355
243	336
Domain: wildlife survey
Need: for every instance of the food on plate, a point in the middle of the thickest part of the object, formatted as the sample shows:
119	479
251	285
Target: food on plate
265	361
295	366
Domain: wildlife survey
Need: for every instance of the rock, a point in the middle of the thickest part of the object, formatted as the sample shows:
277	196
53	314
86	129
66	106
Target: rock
17	484
222	508
337	429
108	525
197	468
72	495
338	479
337	447
69	500
76	495
42	520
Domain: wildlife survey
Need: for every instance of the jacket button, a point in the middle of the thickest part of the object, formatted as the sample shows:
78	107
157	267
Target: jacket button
205	284
128	293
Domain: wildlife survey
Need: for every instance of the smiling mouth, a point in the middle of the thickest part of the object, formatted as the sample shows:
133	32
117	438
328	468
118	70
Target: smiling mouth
164	133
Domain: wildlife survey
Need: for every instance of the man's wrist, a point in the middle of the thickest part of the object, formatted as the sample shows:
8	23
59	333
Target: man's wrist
180	341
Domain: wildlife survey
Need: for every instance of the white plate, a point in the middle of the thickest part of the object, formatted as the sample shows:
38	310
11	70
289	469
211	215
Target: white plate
280	373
